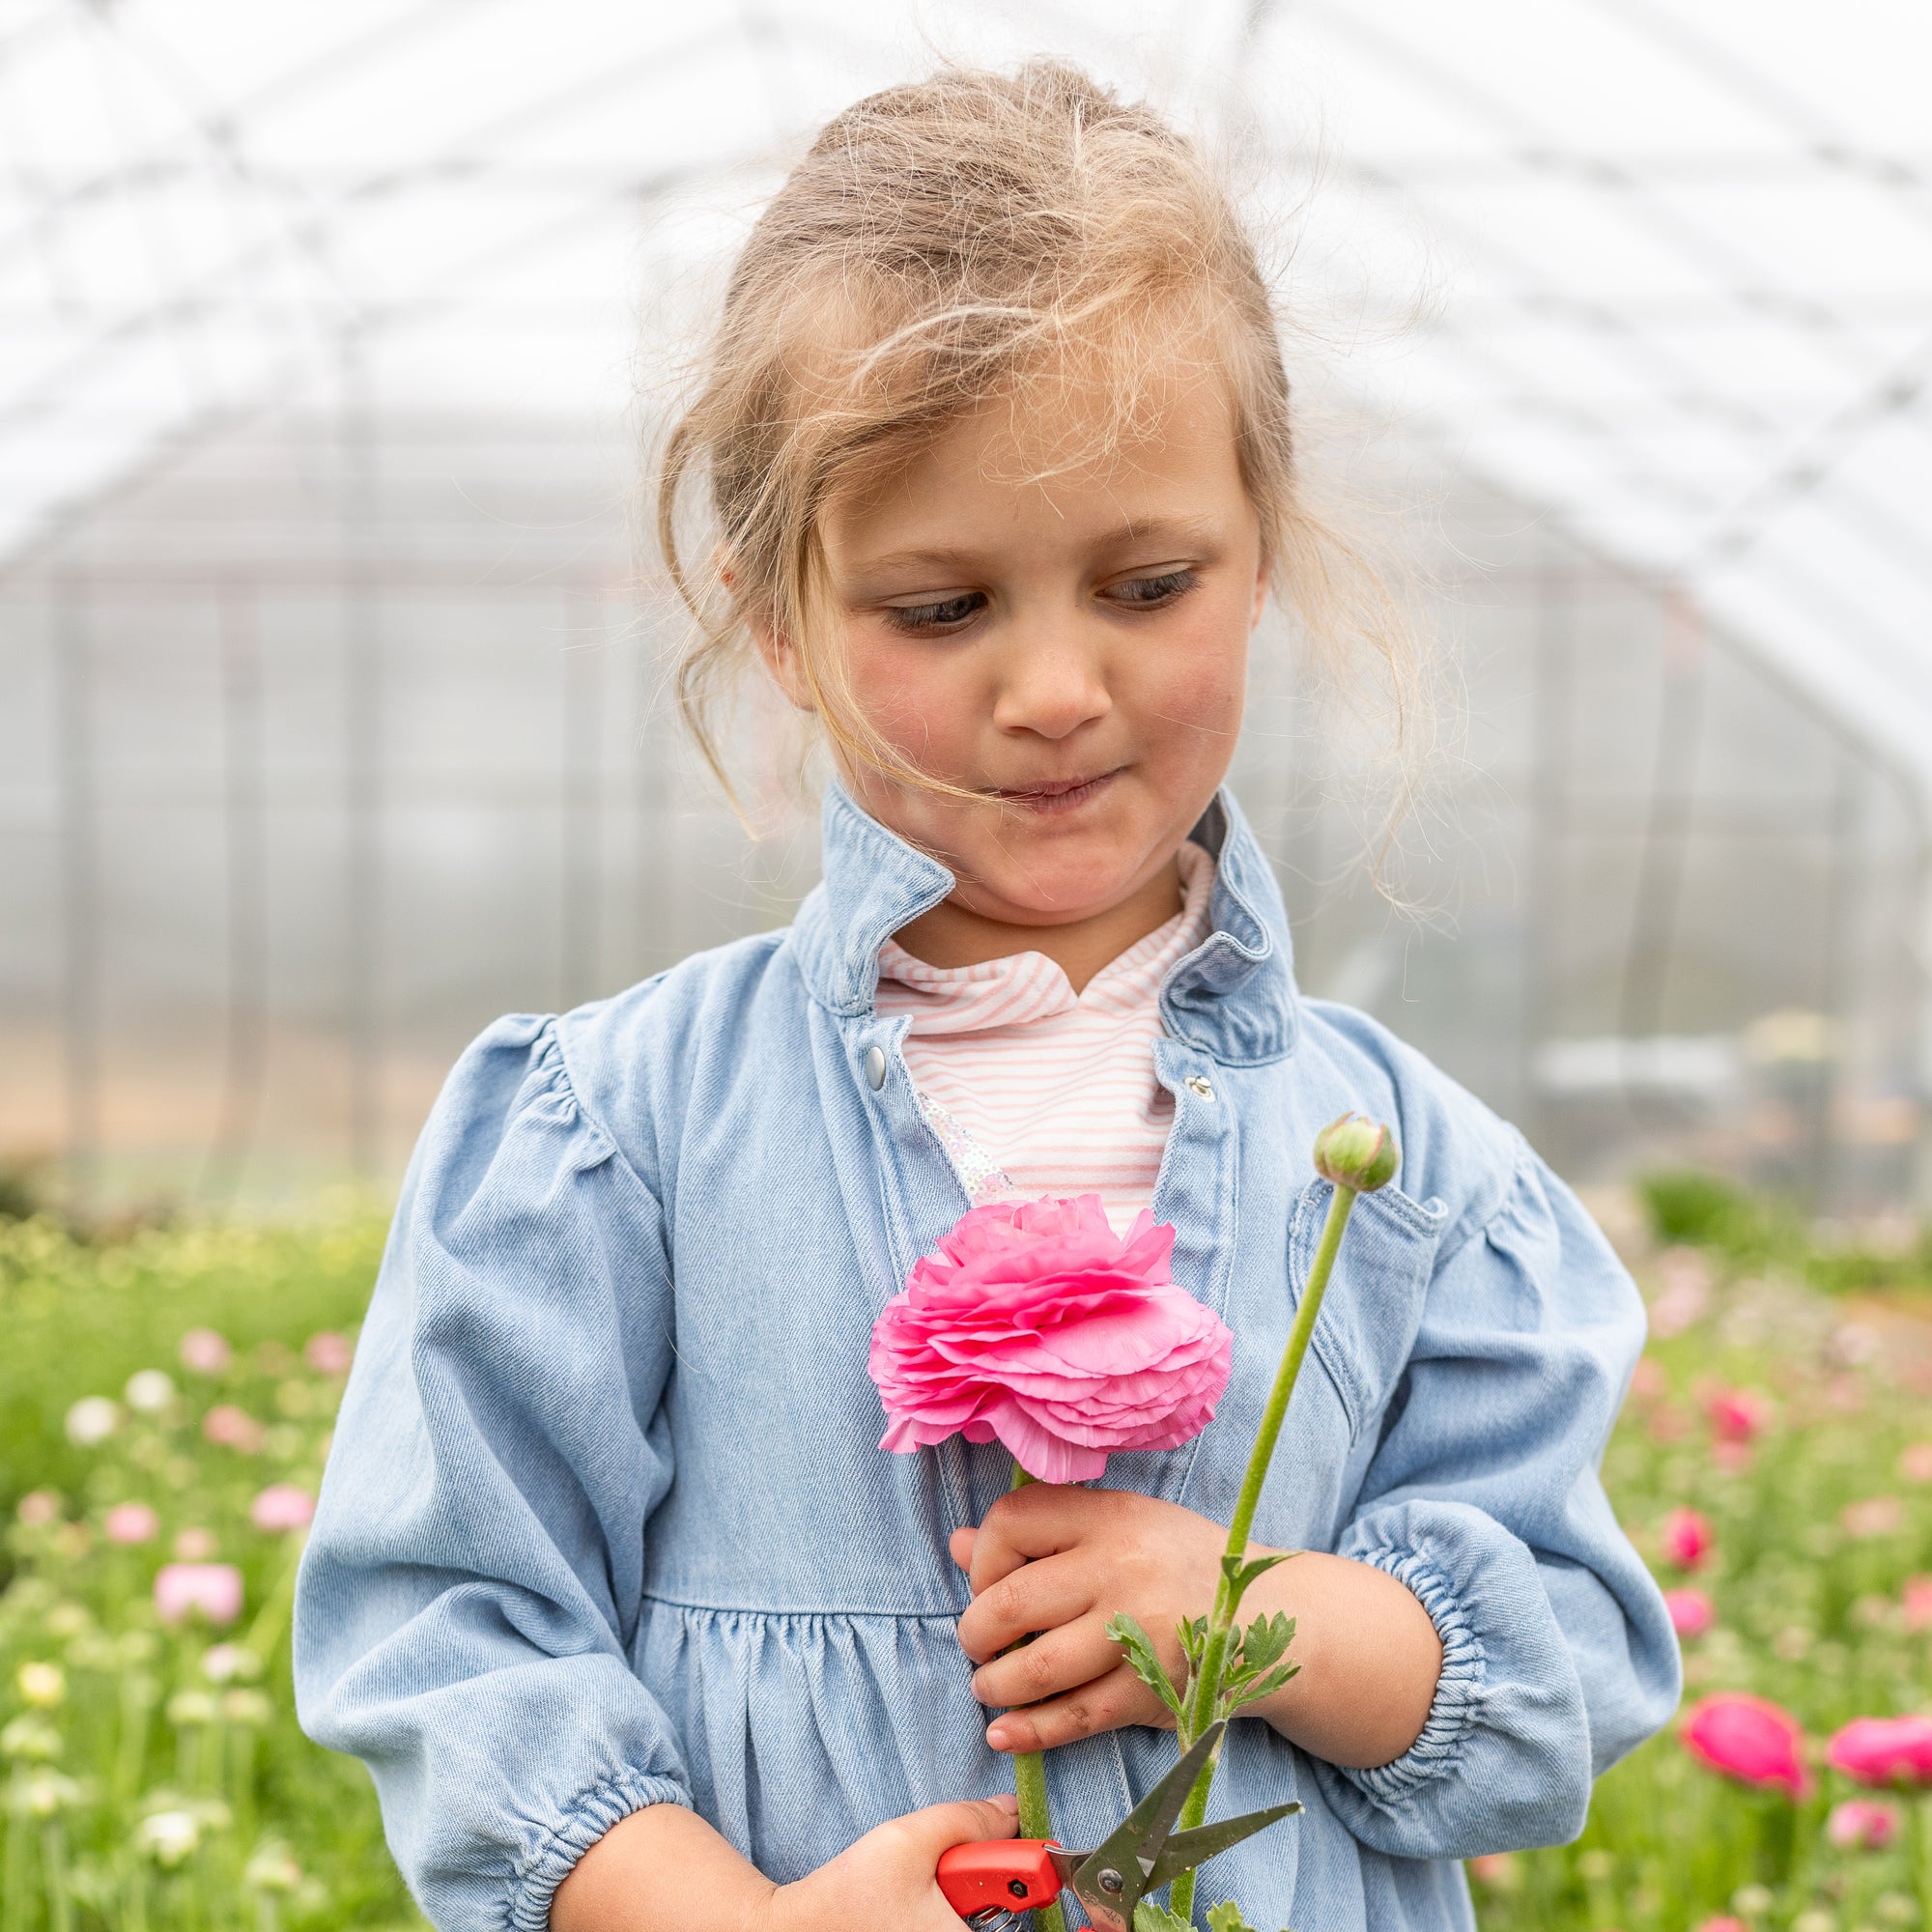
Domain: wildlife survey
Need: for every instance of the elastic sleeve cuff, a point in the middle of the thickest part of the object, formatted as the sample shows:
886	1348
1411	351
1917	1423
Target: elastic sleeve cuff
586	1821
1459	1690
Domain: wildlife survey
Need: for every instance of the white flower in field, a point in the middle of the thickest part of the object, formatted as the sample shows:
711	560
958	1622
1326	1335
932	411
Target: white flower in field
247	1707
190	1707
42	1685
48	1792
272	1869
150	1390
168	1837
29	1737
68	1619
1816	1919
93	1419
226	1660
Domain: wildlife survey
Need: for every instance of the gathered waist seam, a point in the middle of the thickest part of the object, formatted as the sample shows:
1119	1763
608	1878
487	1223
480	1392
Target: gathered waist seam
946	1617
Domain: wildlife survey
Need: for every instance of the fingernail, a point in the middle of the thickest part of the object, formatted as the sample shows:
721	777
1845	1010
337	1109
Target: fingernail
1000	1738
1007	1802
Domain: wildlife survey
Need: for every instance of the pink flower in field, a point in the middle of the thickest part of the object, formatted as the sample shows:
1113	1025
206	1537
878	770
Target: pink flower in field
1915	1463
1726	1923
1733	1458
1737	1414
1860	1824
327	1353
1648	1383
1875	1516
1884	1751
282	1507
205	1352
38	1507
1692	1612
195	1545
1747	1738
232	1428
1034	1322
211	1589
1686	1538
131	1522
1495	1869
1916	1600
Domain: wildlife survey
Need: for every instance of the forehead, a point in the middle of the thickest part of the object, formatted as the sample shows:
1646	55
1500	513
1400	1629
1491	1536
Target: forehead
1058	460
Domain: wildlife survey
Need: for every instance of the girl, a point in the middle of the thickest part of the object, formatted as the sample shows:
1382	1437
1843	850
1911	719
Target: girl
611	1585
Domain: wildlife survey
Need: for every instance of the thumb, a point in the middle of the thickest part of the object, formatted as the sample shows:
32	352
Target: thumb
965	1822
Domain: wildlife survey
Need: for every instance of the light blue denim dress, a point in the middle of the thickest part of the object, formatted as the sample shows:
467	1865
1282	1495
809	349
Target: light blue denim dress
606	1524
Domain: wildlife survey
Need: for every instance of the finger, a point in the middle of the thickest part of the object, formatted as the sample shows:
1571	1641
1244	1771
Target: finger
1059	1662
1101	1704
1040	1596
1041	1519
960	1544
965	1822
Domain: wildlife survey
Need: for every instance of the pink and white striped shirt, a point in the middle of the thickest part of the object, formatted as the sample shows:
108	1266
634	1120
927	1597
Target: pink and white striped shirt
1034	1088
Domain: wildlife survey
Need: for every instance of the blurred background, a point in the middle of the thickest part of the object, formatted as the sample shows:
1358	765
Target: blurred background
331	706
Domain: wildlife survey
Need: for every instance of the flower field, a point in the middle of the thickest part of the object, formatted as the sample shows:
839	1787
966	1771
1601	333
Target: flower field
164	1408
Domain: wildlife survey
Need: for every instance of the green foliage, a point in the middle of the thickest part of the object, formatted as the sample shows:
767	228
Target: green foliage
1821	1523
1146	1664
157	1779
1227	1916
1152	1917
1254	1669
1703	1211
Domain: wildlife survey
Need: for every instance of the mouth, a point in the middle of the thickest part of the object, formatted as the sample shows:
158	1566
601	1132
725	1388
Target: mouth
1057	795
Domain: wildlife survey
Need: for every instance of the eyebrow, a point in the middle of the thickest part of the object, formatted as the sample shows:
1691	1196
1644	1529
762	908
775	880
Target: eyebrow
1185	532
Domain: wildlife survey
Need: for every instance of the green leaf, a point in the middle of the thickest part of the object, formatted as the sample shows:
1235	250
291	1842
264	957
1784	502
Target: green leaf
1151	1918
1193	1634
1266	1638
1145	1663
1240	1575
1253	1691
1227	1916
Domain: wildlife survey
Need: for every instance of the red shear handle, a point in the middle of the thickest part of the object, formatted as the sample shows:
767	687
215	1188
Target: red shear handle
1013	1873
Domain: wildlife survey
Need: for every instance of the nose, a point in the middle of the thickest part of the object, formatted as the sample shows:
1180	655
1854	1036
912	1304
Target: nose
1051	683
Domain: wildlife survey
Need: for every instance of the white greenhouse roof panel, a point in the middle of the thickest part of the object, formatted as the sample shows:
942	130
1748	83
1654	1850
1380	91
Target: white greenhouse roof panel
1665	273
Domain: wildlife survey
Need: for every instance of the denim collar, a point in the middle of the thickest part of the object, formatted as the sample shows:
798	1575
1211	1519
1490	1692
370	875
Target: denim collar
1232	997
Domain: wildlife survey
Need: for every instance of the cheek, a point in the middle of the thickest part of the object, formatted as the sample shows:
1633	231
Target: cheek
1198	679
916	697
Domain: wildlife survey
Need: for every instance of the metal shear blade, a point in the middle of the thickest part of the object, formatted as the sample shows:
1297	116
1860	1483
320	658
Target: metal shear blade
1142	1854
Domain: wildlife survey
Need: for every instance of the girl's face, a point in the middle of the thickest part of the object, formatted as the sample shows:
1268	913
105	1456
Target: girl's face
1074	651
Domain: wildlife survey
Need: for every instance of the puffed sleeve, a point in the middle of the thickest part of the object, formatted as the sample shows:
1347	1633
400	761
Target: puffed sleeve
1483	1497
473	1581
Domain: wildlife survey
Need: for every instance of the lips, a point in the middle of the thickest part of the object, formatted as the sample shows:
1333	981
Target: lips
1049	794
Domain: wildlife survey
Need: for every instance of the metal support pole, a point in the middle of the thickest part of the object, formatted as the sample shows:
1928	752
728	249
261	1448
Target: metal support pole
80	892
246	891
580	790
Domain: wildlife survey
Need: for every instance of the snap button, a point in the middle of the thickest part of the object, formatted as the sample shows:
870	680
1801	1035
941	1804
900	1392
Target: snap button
875	1067
1198	1083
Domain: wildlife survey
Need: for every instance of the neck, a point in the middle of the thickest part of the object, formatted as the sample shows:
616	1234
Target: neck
953	934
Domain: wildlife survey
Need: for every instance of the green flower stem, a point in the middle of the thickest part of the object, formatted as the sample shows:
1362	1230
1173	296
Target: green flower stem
1030	1784
1207	1688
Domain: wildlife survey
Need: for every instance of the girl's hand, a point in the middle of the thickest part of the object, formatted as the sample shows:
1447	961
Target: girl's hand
885	1881
1063	1561
663	1869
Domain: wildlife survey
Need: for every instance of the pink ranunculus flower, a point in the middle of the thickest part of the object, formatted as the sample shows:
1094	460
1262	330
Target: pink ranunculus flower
1861	1825
1915	1463
205	1352
232	1428
1722	1924
1915	1600
1749	1739
1884	1751
1737	1414
282	1507
1872	1515
1686	1538
131	1522
1692	1612
211	1589
1034	1322
328	1353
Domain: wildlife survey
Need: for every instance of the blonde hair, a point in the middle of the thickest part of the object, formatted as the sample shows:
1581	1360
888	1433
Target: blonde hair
942	246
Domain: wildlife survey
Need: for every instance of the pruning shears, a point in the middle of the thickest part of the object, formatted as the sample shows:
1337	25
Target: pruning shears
990	1884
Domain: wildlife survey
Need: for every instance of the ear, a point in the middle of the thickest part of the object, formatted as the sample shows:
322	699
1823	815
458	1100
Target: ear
779	653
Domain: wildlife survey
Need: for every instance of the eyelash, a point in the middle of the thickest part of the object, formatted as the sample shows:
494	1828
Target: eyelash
924	619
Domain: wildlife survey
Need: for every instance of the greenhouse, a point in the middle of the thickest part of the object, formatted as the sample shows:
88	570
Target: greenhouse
338	346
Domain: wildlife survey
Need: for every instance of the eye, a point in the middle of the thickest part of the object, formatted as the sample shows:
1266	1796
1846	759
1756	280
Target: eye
1150	593
948	613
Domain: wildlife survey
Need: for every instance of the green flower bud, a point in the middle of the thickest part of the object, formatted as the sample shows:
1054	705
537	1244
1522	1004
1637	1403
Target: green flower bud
1357	1152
